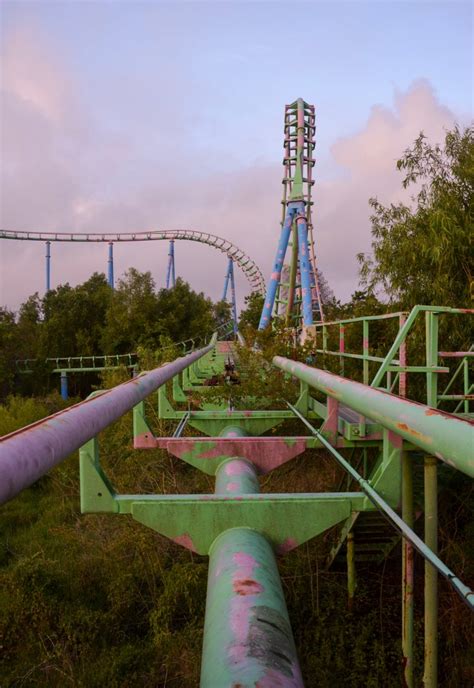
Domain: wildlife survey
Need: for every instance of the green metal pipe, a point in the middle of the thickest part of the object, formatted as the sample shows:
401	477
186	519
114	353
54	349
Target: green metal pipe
466	594
447	437
351	572
247	634
407	571
430	676
236	476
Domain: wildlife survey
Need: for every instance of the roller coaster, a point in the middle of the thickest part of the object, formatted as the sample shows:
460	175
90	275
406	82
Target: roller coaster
396	453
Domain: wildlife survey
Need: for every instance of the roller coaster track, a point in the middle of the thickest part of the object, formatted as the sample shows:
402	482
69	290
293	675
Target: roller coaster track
250	269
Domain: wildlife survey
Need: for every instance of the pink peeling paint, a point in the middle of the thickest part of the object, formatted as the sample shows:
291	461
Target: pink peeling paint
239	625
286	546
237	467
245	560
266	453
145	441
247	586
185	540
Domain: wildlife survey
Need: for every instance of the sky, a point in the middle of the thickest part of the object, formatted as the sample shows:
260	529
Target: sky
130	116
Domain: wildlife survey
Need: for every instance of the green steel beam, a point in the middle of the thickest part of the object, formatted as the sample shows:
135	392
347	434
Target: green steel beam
448	437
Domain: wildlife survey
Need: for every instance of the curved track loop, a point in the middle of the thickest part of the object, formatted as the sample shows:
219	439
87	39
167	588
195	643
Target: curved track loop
245	263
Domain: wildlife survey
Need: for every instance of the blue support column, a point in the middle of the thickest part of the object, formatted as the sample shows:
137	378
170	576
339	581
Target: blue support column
48	266
110	266
64	385
274	281
170	273
173	276
226	280
305	266
232	294
229	278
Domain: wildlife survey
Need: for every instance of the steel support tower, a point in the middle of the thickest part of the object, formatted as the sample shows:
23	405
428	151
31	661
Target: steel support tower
293	289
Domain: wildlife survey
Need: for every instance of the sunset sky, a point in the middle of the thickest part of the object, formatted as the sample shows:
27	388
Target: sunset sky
128	116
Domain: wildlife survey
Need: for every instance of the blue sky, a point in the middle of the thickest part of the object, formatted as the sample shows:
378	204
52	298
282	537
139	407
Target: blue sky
165	113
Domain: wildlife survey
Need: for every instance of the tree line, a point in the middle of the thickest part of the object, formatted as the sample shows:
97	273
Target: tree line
92	318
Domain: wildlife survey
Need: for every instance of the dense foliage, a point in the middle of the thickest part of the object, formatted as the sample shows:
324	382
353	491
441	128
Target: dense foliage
99	600
423	254
91	318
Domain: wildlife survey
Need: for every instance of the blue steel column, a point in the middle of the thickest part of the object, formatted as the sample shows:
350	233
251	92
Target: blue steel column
247	634
232	295
110	265
226	280
305	268
173	276
277	267
48	266
170	274
64	385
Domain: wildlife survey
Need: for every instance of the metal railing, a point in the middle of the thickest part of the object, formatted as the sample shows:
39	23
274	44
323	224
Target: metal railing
393	367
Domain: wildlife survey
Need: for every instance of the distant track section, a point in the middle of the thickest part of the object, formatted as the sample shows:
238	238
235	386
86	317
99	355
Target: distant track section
247	265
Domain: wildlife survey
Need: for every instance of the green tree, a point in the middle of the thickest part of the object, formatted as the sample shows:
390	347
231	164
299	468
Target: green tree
132	317
222	314
250	315
423	254
8	350
74	318
184	313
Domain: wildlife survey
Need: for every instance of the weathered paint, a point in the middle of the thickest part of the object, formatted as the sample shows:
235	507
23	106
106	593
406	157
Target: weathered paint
247	634
330	426
266	453
351	571
277	267
407	572
428	428
236	476
28	453
286	520
430	676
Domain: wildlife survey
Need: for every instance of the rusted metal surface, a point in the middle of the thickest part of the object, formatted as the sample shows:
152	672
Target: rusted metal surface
266	453
446	436
28	453
407	572
247	634
430	676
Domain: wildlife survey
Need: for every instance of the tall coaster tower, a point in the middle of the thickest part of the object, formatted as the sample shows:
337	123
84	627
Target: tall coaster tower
293	291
